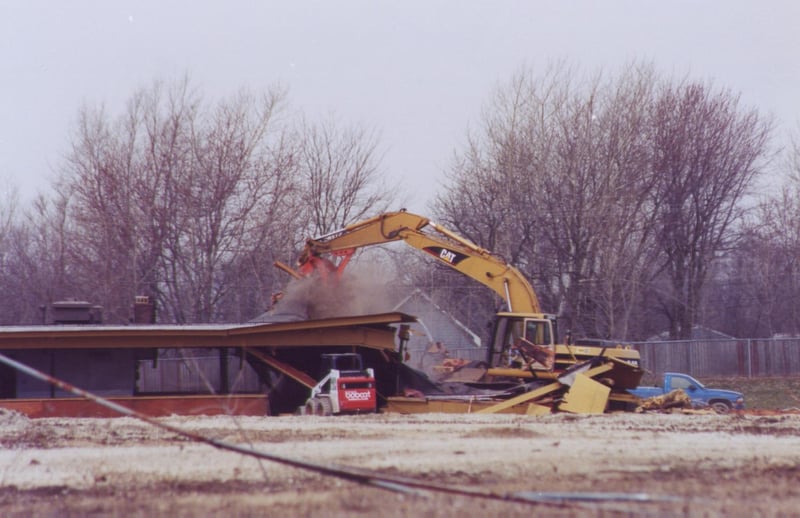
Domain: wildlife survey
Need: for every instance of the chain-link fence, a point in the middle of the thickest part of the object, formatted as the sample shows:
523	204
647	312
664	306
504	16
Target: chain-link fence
736	357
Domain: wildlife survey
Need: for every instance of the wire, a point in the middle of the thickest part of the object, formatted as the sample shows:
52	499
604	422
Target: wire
360	476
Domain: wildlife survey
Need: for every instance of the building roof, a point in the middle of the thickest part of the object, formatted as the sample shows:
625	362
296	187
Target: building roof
698	333
367	330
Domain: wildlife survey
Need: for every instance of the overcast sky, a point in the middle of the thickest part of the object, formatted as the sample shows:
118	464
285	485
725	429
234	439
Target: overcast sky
417	72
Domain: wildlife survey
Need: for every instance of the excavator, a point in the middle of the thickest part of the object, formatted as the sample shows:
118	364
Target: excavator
572	377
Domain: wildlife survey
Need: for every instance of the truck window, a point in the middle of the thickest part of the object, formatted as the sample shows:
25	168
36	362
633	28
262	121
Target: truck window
538	332
681	383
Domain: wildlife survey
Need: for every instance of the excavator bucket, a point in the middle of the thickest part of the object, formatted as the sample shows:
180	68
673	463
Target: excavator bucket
311	262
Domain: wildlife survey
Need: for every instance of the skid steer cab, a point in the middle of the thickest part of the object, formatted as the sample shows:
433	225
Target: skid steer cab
347	388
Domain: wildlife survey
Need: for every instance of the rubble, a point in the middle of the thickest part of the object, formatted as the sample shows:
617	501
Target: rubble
677	398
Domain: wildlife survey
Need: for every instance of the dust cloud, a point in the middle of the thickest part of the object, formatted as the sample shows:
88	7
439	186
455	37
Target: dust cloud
363	290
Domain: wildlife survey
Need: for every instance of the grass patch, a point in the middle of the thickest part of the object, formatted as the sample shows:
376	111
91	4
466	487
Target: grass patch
761	393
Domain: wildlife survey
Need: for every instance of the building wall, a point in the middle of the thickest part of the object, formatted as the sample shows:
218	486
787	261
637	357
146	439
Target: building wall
436	325
105	372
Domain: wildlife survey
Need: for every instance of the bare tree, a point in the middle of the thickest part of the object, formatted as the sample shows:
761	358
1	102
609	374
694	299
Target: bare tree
756	288
760	283
8	228
239	175
621	213
175	200
491	196
191	203
572	179
340	169
35	266
558	184
122	176
8	216
706	153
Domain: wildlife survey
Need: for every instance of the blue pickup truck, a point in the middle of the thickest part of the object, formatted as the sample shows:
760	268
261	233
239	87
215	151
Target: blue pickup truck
722	401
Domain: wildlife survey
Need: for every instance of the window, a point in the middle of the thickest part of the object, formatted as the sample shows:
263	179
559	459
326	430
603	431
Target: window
538	332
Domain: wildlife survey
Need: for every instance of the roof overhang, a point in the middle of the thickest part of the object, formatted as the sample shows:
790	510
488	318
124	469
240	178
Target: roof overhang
373	331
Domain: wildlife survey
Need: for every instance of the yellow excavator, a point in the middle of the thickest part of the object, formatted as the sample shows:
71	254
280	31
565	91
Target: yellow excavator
524	343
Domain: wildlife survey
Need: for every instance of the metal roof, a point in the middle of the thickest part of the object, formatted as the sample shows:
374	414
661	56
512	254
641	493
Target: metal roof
367	330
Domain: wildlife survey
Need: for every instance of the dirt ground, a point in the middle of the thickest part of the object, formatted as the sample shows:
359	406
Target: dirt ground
656	464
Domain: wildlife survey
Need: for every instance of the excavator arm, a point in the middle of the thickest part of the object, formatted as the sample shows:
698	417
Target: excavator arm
445	246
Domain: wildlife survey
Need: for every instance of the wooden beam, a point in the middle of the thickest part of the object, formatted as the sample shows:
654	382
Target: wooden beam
284	368
522	398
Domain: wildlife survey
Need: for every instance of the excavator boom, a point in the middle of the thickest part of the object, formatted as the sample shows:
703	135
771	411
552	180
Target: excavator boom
442	244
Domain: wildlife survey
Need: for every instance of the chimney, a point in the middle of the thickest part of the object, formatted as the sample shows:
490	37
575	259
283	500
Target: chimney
144	310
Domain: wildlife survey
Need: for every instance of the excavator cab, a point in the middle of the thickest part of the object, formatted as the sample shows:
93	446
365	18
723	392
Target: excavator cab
521	340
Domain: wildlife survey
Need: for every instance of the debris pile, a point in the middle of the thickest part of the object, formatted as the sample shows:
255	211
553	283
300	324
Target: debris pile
676	399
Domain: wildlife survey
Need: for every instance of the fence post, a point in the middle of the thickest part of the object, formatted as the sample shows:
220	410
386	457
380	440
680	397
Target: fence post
749	358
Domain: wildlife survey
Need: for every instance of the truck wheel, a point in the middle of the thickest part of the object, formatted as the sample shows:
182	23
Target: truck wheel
721	407
311	407
325	407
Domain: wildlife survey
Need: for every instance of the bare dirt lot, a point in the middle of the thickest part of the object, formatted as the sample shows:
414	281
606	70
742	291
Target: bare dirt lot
734	465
